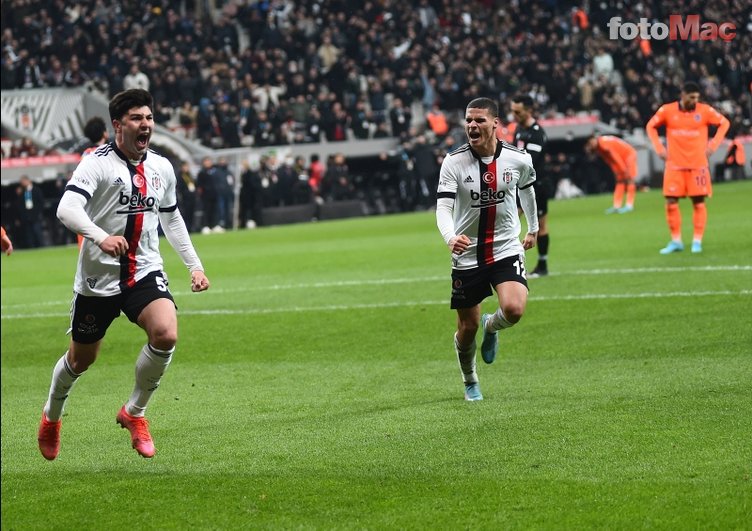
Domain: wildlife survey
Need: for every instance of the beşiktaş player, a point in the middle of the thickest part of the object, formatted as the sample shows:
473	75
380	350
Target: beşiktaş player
116	199
476	213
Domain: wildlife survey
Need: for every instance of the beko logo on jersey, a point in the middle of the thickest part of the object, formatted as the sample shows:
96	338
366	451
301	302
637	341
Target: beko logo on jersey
136	203
487	197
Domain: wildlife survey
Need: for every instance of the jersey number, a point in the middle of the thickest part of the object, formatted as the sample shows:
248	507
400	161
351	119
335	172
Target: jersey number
520	267
161	284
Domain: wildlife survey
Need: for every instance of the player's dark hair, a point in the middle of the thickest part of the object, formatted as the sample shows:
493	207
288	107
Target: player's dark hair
690	86
525	99
94	129
124	101
485	103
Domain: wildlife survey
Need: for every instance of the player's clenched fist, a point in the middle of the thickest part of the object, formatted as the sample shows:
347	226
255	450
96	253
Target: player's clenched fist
114	245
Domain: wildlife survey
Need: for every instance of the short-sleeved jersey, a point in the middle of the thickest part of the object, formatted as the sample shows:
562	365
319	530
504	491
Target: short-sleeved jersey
532	139
485	201
123	200
616	153
686	134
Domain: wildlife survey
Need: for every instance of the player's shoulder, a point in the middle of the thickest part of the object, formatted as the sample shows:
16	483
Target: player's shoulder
463	150
706	108
96	157
157	160
538	132
670	107
514	154
537	127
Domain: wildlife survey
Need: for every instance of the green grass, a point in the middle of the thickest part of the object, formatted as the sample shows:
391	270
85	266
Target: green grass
315	385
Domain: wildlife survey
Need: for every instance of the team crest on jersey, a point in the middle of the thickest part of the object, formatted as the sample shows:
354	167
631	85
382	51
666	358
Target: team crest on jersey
508	175
91	282
697	117
488	177
138	181
155	182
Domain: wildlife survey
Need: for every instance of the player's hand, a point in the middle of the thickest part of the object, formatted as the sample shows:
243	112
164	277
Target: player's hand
199	282
459	244
709	151
663	155
530	240
114	245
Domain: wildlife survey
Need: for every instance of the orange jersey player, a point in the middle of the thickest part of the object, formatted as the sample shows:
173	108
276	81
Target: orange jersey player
7	246
686	172
622	159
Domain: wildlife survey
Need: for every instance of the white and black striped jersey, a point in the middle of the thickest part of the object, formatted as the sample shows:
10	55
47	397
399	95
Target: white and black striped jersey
484	191
122	199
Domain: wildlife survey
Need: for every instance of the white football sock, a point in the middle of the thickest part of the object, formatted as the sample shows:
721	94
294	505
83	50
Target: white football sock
63	379
498	322
466	358
150	366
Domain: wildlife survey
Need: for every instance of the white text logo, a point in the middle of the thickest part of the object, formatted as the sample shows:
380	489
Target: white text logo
678	28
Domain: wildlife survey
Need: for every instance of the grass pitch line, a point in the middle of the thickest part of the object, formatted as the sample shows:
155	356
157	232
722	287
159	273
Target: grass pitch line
398	304
390	281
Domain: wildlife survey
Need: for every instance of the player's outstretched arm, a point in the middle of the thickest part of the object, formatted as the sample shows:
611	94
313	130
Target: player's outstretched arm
177	234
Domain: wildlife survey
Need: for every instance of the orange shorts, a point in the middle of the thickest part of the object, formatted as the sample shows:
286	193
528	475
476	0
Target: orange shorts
683	183
631	172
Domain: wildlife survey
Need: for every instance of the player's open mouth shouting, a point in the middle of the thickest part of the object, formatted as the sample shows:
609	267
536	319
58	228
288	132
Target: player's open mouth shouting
142	141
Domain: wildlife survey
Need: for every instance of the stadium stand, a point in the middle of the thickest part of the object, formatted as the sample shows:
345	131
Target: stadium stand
291	76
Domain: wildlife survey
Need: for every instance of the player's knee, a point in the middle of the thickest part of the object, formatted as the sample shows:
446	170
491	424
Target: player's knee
80	365
163	338
82	356
513	312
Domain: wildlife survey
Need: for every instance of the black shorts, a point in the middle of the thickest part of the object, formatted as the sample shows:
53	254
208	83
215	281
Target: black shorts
92	316
471	286
541	198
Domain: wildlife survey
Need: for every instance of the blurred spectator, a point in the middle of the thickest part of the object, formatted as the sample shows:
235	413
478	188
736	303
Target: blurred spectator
337	183
315	174
251	198
29	214
301	189
225	183
427	169
186	192
336	123
207	192
437	121
29	73
270	193
400	117
135	78
59	233
227	120
187	115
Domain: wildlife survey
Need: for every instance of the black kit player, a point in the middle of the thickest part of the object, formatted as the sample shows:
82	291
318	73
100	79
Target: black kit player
530	136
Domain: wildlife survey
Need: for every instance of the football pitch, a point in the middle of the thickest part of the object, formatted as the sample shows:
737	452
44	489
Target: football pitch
315	385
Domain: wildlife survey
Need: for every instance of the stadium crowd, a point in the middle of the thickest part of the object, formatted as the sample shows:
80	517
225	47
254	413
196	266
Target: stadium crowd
264	73
273	72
